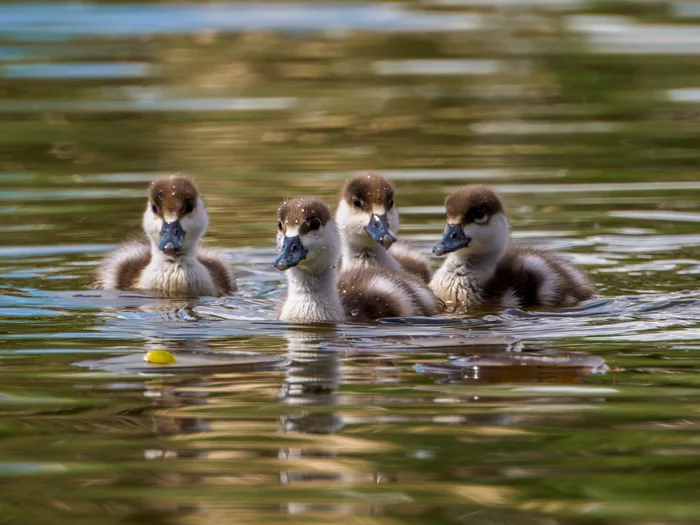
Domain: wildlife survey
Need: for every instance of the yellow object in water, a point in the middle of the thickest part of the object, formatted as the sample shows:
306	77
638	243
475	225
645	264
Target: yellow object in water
160	357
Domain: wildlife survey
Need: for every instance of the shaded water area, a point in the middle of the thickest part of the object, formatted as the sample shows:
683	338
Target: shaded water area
583	115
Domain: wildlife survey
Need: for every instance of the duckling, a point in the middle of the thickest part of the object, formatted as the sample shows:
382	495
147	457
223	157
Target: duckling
309	245
169	260
484	269
368	222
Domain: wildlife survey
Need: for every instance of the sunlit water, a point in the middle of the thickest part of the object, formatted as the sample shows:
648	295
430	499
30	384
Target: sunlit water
582	115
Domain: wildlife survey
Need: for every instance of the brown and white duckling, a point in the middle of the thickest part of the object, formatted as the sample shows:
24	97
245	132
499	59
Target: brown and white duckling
309	245
170	260
484	269
368	222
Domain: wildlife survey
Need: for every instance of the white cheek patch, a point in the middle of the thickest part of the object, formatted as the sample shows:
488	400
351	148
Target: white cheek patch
347	215
490	238
474	231
197	222
352	224
151	222
392	217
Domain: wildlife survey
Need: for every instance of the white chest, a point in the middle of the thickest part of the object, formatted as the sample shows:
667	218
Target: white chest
312	298
459	286
367	258
311	309
178	278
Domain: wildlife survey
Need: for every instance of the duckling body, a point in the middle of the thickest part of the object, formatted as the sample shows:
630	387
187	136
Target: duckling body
411	261
309	244
373	293
169	260
482	268
368	222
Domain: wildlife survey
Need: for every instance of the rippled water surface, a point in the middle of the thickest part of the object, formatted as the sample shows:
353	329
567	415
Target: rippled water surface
583	115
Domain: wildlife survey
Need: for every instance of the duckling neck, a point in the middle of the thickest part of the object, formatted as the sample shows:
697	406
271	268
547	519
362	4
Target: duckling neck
366	256
312	297
179	274
460	281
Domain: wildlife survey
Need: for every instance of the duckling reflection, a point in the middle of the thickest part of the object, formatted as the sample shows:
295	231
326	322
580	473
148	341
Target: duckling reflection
369	221
482	268
160	417
170	260
312	379
173	393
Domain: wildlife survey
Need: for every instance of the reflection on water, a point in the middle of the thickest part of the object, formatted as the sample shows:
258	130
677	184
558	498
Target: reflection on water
581	114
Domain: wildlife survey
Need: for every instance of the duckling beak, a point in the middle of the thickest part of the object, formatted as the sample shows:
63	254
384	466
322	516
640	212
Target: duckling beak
453	239
293	252
171	236
378	228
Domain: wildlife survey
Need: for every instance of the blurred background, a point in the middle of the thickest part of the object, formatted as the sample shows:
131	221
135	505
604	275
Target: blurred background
582	114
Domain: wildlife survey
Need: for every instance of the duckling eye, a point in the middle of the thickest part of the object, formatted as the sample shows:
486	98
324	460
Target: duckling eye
479	215
315	224
391	203
279	225
189	207
154	208
357	203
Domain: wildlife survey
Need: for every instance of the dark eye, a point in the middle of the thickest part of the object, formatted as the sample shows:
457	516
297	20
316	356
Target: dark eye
189	207
479	215
279	225
315	224
357	203
154	208
391	203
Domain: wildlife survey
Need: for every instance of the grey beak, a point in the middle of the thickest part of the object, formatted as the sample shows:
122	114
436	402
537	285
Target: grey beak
293	252
453	239
171	237
378	228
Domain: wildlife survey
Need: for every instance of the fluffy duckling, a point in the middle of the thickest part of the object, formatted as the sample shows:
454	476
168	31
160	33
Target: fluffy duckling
170	260
309	245
484	269
368	222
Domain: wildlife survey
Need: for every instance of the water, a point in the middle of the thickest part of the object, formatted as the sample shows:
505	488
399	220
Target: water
583	115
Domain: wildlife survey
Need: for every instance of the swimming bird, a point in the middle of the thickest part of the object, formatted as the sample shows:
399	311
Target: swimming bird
309	245
482	268
169	259
368	222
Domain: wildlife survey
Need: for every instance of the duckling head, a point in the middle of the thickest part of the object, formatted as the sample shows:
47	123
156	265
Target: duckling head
476	224
175	218
307	237
366	213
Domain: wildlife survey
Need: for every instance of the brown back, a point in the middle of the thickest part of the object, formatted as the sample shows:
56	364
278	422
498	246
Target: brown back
414	266
363	303
127	263
220	273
